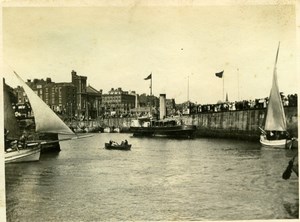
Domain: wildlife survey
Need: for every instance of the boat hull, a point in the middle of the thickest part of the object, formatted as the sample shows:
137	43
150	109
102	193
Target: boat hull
23	155
282	144
108	146
183	131
53	147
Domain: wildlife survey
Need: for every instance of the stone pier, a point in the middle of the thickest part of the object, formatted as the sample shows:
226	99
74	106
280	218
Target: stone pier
229	124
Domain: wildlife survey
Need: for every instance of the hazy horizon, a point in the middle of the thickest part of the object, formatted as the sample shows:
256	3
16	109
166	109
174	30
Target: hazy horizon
120	46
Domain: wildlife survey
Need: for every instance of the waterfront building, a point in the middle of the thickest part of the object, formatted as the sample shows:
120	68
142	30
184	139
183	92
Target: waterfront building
36	85
146	105
94	100
118	102
81	95
88	98
61	97
22	106
70	99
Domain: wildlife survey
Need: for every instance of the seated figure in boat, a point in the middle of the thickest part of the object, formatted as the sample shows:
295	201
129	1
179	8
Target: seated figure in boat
22	140
113	143
277	135
9	145
124	142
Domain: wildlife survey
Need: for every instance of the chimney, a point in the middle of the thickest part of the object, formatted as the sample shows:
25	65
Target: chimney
162	106
137	101
48	80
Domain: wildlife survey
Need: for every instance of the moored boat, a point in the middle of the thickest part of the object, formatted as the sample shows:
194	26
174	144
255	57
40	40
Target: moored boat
107	130
16	150
168	127
164	126
14	155
46	122
275	132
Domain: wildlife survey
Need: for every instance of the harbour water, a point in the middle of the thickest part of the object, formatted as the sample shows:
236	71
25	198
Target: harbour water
159	179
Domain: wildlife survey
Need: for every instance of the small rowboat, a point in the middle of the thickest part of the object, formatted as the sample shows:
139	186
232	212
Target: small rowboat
115	146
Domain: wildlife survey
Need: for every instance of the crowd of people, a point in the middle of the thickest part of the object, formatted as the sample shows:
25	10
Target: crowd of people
287	101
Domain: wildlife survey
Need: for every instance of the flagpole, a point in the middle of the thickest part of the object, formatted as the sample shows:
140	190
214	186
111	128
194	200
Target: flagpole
238	83
151	85
151	94
223	88
188	89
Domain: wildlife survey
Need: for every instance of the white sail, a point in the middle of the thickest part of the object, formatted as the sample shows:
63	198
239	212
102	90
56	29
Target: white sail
46	121
275	119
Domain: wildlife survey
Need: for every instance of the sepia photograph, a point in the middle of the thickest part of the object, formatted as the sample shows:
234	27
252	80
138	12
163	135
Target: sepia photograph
149	111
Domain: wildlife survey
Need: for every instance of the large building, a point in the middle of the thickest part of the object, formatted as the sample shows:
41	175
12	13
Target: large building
74	99
81	95
88	98
36	85
61	97
118	102
146	105
94	99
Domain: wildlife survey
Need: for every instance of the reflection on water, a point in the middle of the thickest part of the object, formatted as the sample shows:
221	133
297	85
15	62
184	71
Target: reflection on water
159	179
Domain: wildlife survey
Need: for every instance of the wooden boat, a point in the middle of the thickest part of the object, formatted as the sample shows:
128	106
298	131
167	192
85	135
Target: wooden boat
23	155
115	146
46	121
14	150
107	130
168	127
275	133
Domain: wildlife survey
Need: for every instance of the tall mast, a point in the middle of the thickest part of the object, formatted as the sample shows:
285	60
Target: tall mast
151	85
188	89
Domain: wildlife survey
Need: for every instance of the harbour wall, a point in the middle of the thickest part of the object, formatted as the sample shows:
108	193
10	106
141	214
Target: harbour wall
228	124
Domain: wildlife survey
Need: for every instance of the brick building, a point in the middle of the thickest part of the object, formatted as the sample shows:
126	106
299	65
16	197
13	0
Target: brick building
88	99
94	99
61	97
118	102
74	99
81	95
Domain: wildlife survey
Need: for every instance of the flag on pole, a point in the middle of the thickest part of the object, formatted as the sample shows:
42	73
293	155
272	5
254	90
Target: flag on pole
149	77
219	74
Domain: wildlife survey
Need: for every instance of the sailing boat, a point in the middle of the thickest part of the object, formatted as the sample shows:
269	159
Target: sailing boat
275	132
16	151
46	121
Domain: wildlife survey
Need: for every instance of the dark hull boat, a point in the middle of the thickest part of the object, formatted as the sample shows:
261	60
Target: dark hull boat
110	146
185	131
166	128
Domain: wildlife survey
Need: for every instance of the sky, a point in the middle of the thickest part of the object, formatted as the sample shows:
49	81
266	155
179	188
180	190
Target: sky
183	46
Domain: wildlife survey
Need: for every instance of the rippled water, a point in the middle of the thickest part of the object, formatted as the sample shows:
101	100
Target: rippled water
159	179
